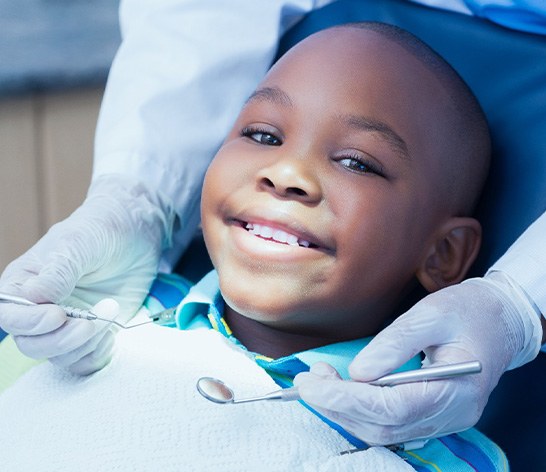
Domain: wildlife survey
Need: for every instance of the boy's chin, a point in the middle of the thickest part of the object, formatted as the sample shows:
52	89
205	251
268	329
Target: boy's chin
266	308
261	288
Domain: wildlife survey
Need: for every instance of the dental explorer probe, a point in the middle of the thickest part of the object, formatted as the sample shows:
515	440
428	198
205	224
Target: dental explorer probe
70	311
164	317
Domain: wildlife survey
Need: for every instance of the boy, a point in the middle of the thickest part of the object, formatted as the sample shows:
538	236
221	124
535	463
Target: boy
346	183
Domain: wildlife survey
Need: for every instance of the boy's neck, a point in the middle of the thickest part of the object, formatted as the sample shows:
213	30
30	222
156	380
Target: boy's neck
269	341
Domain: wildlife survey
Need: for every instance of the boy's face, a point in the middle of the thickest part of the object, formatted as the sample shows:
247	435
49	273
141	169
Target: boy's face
319	205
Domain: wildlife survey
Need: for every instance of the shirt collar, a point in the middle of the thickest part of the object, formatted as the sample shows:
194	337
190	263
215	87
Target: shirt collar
203	306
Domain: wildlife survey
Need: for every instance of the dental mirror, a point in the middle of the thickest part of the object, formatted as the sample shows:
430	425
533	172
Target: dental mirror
218	392
214	390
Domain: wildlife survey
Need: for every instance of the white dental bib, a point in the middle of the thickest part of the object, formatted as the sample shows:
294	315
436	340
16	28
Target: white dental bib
143	413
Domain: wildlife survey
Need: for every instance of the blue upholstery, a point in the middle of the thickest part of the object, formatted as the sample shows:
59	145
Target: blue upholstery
507	72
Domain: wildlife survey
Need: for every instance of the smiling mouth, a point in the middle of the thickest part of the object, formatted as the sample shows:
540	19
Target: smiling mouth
277	235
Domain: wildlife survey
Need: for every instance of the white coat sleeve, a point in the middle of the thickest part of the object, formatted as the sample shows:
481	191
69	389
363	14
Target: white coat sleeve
178	81
525	264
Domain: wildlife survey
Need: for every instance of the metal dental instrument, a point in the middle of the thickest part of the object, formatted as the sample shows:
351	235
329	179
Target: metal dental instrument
69	310
430	373
161	318
218	392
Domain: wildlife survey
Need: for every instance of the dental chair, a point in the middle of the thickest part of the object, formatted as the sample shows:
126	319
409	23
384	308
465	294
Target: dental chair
506	70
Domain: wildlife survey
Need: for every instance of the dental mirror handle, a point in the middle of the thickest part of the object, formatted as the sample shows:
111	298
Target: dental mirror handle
6	298
429	373
284	395
418	375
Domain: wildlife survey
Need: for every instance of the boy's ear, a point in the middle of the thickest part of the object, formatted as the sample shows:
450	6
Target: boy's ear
451	253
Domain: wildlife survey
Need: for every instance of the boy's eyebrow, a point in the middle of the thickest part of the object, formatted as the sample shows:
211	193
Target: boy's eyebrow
272	94
369	124
279	96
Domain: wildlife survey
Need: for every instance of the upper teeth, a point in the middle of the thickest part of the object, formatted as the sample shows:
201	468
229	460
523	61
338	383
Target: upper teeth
276	234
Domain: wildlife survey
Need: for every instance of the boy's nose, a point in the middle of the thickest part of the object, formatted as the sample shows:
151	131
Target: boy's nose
291	179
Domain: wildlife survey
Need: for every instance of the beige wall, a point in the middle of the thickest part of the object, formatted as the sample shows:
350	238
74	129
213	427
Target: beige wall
46	146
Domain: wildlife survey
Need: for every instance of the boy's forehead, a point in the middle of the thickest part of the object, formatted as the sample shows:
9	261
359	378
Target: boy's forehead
347	48
350	66
353	64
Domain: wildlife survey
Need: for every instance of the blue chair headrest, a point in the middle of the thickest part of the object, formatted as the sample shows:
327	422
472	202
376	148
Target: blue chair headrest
506	70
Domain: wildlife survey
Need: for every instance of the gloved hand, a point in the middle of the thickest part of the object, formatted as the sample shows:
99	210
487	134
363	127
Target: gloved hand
109	247
477	319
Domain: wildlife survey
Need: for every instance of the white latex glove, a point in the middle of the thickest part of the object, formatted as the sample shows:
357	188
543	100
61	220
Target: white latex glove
477	319
109	247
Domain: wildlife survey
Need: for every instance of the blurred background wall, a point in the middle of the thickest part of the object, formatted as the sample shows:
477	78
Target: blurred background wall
54	60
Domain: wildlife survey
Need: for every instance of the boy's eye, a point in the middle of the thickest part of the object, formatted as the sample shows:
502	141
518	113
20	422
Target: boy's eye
261	136
360	165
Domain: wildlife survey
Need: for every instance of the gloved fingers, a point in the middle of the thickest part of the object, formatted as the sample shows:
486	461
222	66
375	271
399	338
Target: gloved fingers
30	320
50	280
129	297
325	371
392	406
90	357
387	415
452	353
96	352
363	428
54	282
48	271
96	359
446	420
358	400
107	309
409	334
379	434
17	271
319	370
72	334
